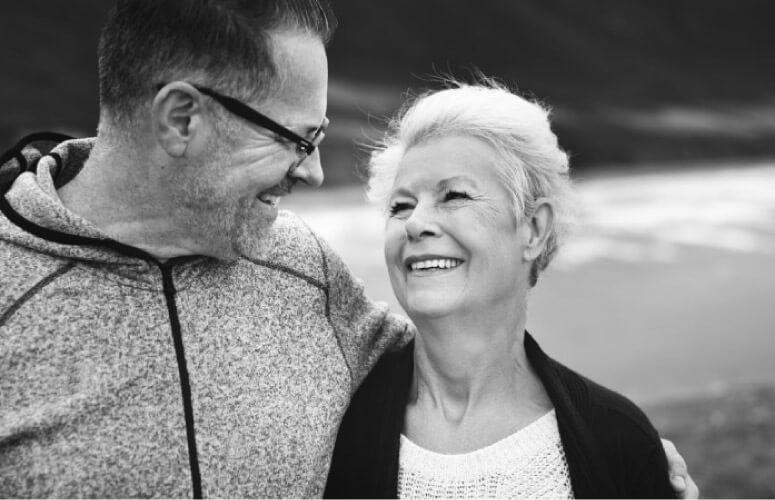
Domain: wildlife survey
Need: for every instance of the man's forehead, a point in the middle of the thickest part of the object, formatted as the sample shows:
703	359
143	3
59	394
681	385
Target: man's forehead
302	79
301	63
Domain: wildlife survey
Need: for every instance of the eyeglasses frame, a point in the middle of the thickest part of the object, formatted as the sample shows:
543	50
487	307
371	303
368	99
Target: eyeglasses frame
304	147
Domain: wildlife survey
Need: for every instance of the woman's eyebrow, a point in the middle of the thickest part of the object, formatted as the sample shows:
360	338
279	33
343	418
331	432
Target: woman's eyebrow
441	185
401	191
456	180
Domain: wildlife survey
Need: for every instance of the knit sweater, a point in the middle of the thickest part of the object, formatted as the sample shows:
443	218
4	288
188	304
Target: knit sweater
529	463
121	376
611	448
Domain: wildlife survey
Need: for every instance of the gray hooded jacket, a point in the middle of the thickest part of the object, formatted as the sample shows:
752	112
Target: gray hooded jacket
121	376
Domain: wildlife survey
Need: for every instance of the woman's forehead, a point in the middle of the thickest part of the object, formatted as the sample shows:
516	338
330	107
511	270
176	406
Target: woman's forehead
447	161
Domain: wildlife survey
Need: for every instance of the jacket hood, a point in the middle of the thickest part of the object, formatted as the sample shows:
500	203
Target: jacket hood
34	216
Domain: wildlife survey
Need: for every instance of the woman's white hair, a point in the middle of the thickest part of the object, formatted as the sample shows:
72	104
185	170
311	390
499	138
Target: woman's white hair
529	159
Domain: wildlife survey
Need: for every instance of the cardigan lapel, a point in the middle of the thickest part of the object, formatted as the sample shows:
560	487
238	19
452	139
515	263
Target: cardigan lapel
396	400
589	475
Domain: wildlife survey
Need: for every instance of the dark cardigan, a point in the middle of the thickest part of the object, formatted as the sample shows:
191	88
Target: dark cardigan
611	447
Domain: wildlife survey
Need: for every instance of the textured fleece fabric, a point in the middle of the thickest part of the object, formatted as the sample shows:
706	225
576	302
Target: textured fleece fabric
91	400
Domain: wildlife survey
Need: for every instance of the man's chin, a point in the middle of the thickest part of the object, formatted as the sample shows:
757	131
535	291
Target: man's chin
254	247
253	236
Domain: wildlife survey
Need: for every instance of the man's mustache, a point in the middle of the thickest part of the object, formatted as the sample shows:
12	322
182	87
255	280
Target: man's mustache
283	188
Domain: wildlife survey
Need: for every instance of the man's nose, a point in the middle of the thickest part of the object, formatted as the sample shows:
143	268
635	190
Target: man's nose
310	171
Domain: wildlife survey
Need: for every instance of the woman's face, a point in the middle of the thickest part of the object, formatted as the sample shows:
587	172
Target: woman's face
452	241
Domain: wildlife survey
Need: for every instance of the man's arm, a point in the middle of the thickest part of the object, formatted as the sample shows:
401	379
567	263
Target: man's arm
365	329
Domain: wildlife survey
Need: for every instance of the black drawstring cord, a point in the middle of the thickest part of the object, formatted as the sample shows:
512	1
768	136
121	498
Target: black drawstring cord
7	177
7	173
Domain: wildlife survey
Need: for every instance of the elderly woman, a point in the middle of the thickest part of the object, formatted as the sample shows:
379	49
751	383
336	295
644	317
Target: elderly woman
477	198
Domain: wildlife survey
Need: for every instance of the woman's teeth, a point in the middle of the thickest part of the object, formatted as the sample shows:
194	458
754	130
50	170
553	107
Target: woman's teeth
435	264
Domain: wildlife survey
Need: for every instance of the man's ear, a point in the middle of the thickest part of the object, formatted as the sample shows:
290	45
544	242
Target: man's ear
177	117
538	223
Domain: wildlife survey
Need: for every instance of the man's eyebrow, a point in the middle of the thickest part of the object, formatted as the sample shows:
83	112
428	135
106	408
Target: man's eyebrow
305	130
311	125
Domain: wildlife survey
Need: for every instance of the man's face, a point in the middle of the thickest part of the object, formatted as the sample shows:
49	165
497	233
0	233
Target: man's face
235	185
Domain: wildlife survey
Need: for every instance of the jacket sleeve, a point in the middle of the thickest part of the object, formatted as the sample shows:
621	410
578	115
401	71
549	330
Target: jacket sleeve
364	329
650	477
634	451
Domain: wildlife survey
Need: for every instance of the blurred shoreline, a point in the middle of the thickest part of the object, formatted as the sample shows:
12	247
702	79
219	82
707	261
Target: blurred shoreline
727	440
670	270
682	325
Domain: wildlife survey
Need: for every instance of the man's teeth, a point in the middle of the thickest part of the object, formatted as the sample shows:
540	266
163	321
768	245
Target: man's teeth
269	199
435	264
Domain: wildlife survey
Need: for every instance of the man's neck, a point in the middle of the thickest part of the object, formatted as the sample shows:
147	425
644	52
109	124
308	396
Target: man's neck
118	190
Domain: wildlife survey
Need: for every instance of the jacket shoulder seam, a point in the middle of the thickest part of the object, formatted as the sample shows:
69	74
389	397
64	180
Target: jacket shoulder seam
641	426
26	296
289	270
327	289
593	390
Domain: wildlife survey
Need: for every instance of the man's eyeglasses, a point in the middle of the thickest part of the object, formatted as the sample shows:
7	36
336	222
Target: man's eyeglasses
304	147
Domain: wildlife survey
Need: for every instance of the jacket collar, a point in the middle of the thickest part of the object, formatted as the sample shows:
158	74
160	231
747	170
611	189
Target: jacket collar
570	398
588	474
33	216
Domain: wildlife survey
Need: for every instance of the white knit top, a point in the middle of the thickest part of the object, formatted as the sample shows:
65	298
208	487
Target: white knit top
527	464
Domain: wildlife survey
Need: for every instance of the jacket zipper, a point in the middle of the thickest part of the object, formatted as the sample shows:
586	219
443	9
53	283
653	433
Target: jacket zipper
166	271
185	386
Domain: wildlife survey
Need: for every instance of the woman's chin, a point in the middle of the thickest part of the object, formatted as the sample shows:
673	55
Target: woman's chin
430	306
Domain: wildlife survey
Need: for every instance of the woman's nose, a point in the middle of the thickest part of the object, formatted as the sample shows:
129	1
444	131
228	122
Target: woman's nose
421	224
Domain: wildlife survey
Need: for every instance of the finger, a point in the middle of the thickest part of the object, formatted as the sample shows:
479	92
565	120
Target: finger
667	445
682	483
679	484
692	491
675	462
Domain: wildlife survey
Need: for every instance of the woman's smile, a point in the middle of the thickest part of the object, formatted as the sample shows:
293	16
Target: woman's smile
426	265
452	241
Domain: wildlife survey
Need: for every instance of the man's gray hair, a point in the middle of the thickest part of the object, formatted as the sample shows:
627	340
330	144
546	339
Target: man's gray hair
226	44
530	161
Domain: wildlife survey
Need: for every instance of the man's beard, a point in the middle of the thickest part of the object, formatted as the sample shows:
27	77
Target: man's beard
252	229
226	229
234	230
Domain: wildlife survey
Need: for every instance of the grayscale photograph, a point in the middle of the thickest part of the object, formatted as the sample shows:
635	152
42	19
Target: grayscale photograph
387	249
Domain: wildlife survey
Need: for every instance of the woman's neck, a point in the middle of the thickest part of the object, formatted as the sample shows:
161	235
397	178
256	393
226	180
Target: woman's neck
473	384
465	364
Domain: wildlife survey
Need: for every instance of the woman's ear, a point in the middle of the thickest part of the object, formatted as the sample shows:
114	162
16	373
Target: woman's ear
539	223
176	113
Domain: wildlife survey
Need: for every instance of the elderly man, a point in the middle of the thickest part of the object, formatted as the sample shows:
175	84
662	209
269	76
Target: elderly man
163	331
